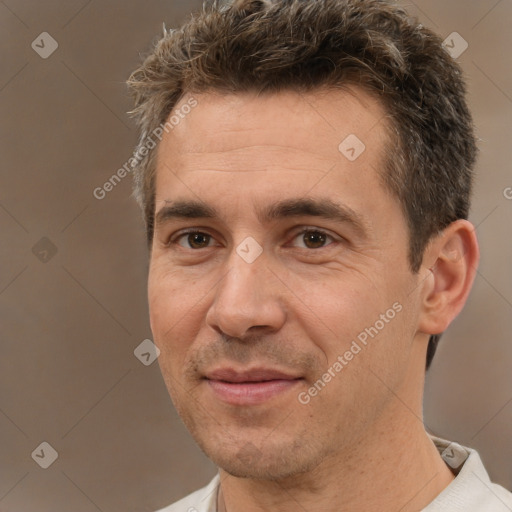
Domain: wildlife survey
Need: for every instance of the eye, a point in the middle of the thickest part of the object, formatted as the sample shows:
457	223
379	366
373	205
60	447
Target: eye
306	239
192	240
312	239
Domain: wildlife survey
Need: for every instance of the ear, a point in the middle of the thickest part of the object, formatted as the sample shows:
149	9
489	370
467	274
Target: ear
448	271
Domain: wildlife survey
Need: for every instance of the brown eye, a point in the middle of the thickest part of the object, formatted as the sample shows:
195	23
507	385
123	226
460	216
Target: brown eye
312	239
194	240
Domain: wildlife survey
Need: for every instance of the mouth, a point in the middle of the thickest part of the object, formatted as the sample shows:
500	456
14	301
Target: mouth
250	387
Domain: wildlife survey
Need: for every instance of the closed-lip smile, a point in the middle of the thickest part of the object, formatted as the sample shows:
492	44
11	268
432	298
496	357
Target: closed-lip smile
249	386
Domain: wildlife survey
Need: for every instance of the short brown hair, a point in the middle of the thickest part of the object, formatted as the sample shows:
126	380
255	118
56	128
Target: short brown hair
266	46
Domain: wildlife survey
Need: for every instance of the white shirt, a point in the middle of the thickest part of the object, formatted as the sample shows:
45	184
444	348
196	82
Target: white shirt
470	491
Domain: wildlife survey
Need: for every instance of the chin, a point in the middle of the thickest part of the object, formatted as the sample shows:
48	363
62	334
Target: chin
272	462
245	448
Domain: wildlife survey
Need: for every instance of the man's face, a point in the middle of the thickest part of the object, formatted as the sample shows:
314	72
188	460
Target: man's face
257	289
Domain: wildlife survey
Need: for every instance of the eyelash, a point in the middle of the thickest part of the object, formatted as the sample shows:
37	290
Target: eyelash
174	240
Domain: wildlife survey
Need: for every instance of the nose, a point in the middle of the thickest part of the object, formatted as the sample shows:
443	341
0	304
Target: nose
248	297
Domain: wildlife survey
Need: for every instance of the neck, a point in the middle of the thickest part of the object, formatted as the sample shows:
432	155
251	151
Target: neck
406	476
393	466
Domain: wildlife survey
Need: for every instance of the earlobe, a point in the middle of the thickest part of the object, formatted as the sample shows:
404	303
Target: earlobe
450	262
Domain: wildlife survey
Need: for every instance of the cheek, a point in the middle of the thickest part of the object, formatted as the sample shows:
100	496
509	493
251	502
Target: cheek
161	307
345	308
365	322
169	320
172	313
169	295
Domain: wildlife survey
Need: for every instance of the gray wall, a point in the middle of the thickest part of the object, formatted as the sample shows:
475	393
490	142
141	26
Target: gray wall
73	268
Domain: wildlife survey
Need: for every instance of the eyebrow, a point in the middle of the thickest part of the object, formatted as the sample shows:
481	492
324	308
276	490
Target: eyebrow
324	208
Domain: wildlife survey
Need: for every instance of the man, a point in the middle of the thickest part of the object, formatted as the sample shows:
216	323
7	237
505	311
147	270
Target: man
306	208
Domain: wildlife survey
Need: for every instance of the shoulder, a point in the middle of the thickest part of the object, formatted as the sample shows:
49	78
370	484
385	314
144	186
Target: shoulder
472	490
202	500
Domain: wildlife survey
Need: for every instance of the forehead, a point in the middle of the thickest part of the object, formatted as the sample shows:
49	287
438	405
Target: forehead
271	144
317	120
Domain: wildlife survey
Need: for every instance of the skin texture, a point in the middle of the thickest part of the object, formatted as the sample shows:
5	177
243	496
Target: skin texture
359	443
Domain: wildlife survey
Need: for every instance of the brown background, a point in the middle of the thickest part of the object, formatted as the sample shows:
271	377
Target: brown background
70	321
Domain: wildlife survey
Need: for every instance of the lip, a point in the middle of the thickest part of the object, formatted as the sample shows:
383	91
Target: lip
249	387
